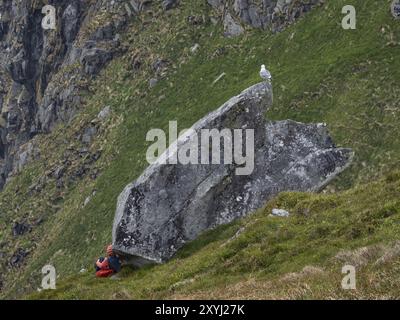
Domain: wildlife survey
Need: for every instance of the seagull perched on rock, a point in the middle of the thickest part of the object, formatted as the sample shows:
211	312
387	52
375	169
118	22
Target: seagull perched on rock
265	74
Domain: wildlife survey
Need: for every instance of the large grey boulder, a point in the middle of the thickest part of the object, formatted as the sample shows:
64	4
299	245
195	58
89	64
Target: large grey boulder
169	204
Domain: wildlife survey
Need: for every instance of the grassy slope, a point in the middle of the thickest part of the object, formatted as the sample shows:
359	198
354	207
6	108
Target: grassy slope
321	74
255	257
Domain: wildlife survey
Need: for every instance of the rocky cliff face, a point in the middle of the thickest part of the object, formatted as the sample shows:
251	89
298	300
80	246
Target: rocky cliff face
171	204
271	15
43	71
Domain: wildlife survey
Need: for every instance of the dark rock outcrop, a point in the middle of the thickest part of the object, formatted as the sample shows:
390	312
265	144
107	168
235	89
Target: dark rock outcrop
169	4
94	59
18	258
170	204
41	70
265	14
19	229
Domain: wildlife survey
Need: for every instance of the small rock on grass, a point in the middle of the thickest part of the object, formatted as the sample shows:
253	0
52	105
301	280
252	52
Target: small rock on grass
103	114
280	213
195	48
153	82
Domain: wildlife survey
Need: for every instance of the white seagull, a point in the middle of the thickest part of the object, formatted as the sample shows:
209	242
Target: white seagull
265	74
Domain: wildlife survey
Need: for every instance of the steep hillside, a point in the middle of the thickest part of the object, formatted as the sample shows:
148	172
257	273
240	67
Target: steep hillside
264	257
59	208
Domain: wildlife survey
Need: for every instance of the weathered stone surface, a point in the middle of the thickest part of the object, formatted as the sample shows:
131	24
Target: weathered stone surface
89	134
169	205
104	113
266	14
70	20
153	82
280	213
26	154
231	27
216	4
93	59
19	229
18	67
169	4
42	70
18	258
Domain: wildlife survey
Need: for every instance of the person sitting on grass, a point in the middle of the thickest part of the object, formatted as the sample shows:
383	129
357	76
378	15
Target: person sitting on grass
108	266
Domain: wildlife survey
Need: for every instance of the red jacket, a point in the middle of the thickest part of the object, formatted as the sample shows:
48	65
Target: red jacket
105	270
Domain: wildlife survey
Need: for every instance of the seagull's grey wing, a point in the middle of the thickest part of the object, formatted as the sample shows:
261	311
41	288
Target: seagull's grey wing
265	74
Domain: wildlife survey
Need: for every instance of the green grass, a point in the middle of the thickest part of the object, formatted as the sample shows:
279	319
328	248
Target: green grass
266	249
321	73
